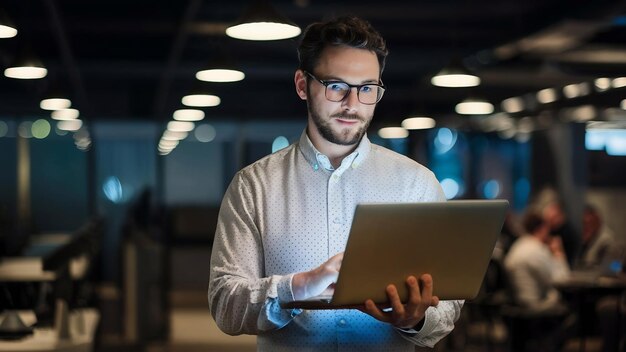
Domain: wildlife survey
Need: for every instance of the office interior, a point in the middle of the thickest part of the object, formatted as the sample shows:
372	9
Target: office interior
106	223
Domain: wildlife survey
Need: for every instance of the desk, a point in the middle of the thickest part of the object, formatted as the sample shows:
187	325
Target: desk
30	269
583	287
82	328
589	281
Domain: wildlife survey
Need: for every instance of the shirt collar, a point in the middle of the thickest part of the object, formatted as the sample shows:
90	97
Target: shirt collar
319	161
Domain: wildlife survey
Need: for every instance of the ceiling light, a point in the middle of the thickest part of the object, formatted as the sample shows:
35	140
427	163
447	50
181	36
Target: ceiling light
55	104
502	122
512	105
174	136
579	114
188	115
164	147
472	106
262	22
619	82
69	125
393	132
167	143
546	96
7	31
220	75
455	75
602	84
418	123
525	125
180	126
30	70
7	28
201	100
575	90
25	65
65	114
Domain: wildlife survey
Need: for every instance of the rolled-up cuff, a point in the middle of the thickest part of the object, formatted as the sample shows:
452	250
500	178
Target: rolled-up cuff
285	293
275	316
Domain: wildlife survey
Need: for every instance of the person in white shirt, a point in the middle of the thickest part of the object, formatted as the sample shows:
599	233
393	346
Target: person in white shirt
534	262
284	220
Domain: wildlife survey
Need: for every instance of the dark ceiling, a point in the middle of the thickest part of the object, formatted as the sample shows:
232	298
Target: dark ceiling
136	59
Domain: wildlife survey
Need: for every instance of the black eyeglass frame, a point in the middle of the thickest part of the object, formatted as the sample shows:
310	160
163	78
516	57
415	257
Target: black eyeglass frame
357	86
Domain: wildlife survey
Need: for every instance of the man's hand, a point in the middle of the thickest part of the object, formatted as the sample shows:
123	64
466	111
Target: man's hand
556	247
406	316
312	283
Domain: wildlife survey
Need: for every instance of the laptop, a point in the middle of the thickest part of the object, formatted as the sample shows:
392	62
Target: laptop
453	241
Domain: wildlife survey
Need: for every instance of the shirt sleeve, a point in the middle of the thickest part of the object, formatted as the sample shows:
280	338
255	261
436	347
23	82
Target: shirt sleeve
438	322
432	191
241	299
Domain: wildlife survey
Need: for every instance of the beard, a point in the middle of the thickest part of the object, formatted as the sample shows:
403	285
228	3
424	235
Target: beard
345	136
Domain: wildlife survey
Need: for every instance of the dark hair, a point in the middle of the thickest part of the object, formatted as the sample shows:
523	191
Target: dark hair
350	31
532	221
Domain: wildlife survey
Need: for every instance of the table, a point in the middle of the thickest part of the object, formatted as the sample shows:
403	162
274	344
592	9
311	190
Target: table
82	328
584	284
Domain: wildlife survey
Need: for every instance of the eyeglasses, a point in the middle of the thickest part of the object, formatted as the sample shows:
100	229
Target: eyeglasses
368	94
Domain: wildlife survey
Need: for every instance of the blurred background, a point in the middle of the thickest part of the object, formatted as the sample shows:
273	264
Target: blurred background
117	141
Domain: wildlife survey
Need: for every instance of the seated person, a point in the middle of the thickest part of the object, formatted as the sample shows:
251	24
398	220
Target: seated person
600	251
600	247
533	263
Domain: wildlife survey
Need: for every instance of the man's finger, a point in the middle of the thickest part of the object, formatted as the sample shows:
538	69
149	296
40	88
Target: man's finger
394	301
427	290
373	310
415	297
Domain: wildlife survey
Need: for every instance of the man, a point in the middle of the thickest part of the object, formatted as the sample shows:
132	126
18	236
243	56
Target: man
550	205
285	219
535	261
603	253
600	247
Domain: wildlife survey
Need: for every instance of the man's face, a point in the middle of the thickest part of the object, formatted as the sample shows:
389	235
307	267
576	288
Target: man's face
344	122
591	225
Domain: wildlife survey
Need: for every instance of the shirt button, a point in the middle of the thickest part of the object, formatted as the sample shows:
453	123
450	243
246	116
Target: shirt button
337	221
342	322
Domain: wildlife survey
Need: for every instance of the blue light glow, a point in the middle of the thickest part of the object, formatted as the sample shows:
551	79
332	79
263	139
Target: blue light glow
619	21
491	189
616	143
450	187
594	140
112	189
615	266
445	140
522	190
279	143
611	140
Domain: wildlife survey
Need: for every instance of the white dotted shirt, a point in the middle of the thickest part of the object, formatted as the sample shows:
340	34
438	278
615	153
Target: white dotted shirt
290	212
